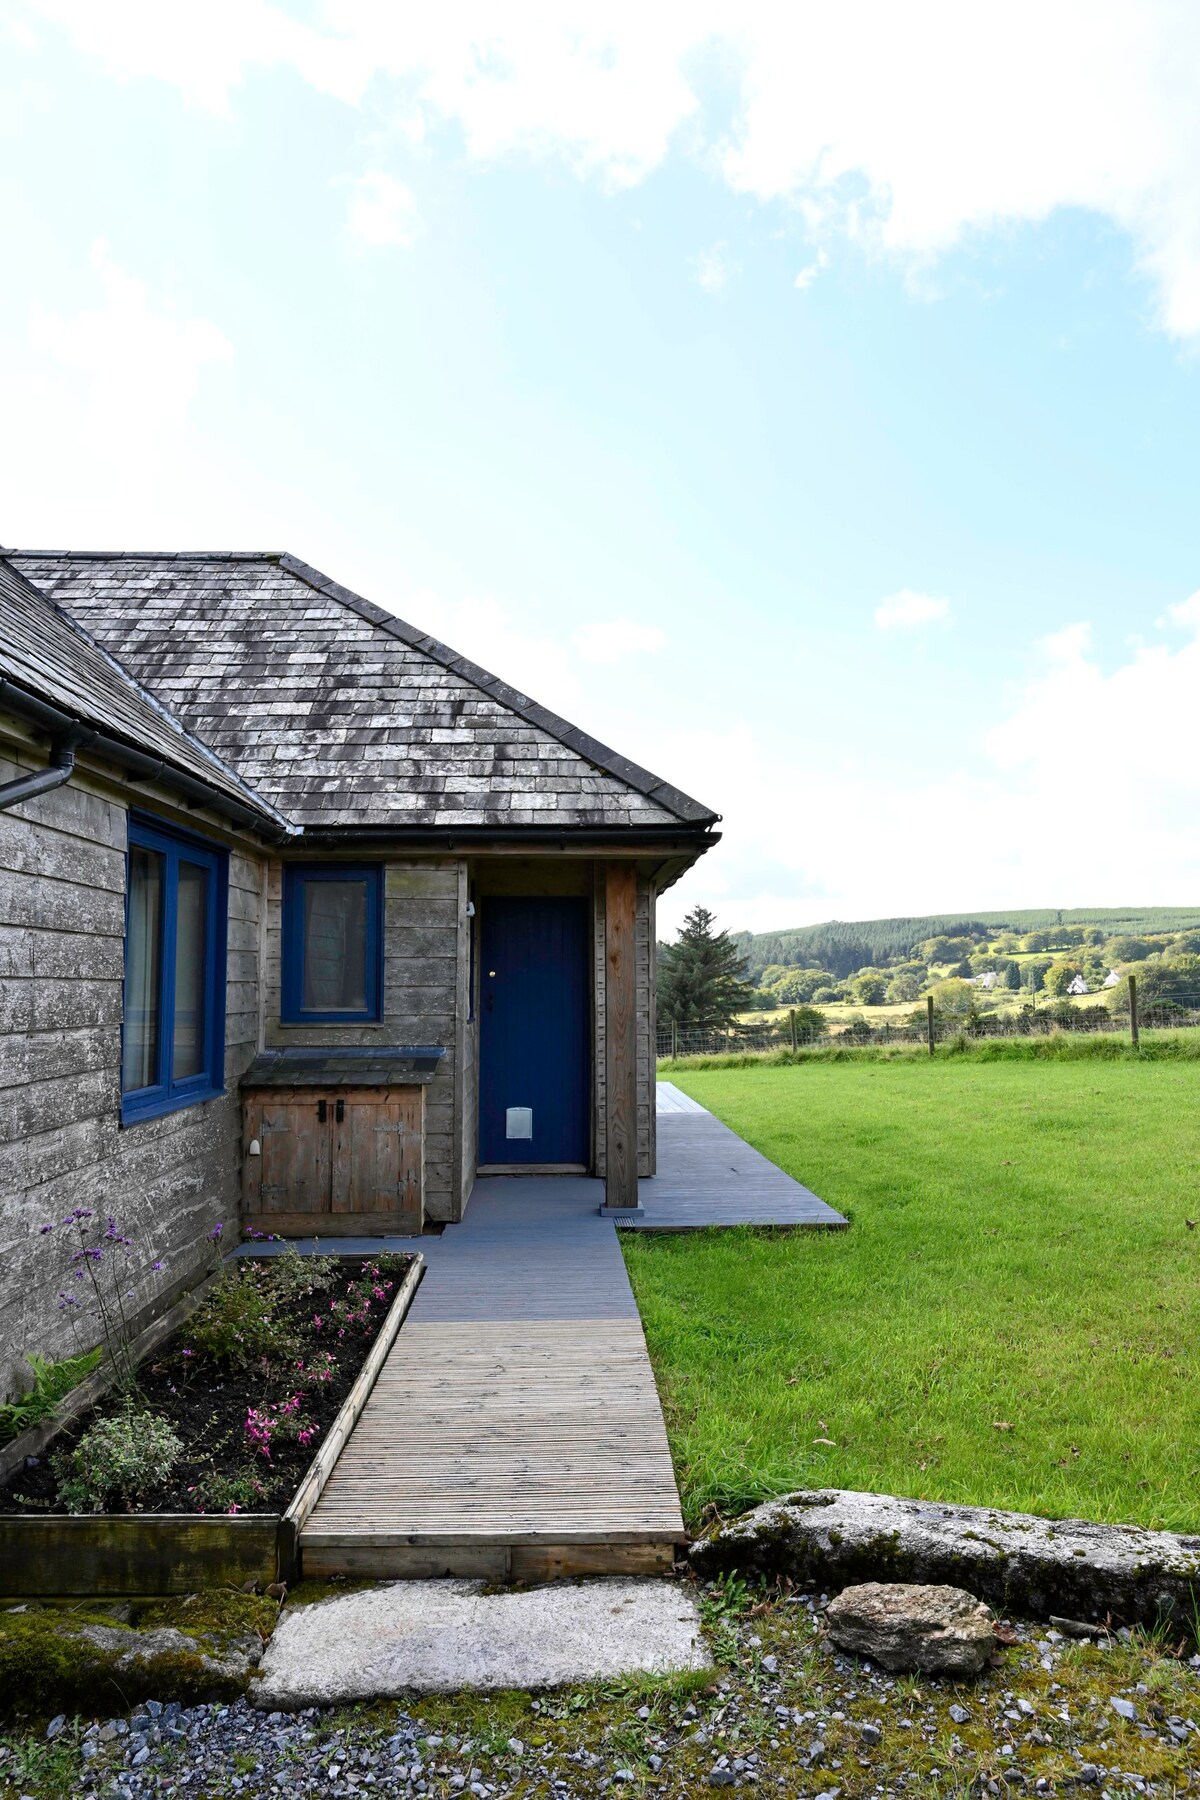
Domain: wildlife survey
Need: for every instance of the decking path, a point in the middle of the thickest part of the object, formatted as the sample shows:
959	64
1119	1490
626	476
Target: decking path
515	1429
708	1176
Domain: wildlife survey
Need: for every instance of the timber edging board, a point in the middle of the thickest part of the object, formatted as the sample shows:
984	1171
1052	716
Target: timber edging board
72	1555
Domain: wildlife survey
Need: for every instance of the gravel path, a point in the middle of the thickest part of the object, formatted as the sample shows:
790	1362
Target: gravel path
781	1713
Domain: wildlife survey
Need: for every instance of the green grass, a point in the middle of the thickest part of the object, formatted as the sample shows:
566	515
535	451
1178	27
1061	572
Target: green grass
1012	1319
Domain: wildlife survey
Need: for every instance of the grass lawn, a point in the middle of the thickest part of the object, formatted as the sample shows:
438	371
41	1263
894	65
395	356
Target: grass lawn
1013	1317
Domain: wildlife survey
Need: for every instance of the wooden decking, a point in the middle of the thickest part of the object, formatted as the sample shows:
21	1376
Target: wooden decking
515	1430
708	1176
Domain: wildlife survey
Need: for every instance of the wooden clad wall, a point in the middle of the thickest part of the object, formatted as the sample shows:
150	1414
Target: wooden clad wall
645	955
169	1180
424	913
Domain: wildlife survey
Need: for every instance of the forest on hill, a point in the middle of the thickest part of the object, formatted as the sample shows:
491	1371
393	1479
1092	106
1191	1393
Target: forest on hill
843	948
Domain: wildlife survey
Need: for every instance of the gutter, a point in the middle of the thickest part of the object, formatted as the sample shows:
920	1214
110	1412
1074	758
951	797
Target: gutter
70	736
646	838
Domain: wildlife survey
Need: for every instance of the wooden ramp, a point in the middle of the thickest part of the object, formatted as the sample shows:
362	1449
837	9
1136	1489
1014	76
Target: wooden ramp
515	1431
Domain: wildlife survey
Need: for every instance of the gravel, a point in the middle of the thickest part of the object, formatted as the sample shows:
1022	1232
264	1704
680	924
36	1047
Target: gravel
1044	1720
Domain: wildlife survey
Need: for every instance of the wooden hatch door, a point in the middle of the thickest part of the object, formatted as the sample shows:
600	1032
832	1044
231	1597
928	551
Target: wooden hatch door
377	1158
341	1163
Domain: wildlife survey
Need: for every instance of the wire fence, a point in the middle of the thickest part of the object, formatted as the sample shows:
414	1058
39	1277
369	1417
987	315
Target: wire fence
788	1029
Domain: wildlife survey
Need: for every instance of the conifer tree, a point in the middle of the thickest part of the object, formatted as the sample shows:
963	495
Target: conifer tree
702	978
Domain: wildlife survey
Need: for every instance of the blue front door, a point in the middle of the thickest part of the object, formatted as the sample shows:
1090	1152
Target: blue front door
534	1088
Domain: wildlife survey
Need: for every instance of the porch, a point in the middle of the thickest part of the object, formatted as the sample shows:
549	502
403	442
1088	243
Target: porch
515	1431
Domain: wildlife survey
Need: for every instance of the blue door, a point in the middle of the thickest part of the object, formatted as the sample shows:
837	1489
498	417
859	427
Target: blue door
534	1088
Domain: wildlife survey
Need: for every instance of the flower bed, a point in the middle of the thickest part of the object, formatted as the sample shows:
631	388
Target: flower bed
198	1455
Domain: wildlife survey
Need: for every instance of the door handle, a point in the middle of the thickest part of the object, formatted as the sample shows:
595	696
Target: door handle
341	1111
320	1112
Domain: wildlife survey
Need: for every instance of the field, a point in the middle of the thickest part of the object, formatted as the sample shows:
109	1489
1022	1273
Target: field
1013	1317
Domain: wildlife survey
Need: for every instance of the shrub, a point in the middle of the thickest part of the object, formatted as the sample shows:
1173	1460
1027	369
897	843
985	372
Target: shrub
235	1324
116	1461
290	1276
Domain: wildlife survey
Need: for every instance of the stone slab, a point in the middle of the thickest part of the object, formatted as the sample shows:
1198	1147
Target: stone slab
1022	1564
434	1637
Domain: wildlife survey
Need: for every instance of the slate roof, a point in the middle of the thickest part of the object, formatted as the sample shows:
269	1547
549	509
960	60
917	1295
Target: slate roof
339	713
48	657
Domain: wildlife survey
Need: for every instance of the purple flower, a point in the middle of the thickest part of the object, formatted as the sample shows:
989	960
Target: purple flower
215	1233
155	1267
43	1229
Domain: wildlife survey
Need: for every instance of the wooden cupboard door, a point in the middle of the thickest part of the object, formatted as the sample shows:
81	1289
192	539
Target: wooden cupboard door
295	1161
377	1157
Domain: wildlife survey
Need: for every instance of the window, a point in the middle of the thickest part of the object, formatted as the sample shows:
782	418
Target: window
332	962
173	1031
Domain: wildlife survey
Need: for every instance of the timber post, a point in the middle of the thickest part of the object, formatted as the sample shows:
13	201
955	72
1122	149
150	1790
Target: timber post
792	1023
929	1022
1133	1018
620	1038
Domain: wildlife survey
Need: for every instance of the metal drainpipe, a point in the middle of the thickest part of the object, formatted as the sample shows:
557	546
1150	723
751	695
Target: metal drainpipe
62	762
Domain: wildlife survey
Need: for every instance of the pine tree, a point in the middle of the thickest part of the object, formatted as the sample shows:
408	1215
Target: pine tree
702	978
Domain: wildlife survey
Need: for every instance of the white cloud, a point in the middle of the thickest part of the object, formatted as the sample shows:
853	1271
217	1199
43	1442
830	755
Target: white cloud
908	611
383	211
809	273
905	128
612	640
715	269
135	362
1187	613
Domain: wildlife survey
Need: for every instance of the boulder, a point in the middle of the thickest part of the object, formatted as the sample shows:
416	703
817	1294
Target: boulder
164	1651
832	1537
903	1625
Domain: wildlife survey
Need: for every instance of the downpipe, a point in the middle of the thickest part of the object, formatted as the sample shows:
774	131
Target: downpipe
42	781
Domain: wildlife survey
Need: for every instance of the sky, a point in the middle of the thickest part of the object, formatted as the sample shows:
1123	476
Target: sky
802	399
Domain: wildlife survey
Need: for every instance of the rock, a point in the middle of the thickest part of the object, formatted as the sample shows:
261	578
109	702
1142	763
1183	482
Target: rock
833	1537
959	1714
1126	1709
144	1652
440	1636
939	1630
56	1724
870	1734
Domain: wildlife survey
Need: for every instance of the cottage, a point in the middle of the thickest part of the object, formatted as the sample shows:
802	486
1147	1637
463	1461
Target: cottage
307	919
1078	985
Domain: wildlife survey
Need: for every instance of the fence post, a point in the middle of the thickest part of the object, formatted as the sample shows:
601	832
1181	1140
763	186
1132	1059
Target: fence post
1133	1018
674	1039
929	1021
792	1024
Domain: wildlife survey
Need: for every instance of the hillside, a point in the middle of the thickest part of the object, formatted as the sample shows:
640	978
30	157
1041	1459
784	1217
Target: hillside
844	946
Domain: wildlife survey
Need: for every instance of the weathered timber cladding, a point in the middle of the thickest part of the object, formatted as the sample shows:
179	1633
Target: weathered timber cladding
424	928
169	1180
645	977
620	1027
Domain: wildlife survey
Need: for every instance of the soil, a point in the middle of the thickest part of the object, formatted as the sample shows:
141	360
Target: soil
206	1404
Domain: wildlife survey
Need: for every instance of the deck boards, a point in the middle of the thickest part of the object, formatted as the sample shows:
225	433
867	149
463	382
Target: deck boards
517	1410
515	1428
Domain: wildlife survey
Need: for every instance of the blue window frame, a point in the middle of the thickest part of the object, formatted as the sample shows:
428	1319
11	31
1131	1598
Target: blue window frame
332	944
173	1024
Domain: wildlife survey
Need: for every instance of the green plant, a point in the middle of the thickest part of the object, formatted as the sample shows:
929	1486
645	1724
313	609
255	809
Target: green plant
243	1491
236	1323
290	1276
52	1382
116	1461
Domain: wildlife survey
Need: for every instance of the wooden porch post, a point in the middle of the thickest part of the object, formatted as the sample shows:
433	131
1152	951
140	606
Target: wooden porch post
620	1037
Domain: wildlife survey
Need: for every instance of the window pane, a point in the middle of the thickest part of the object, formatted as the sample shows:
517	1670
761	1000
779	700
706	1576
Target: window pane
143	969
335	946
191	931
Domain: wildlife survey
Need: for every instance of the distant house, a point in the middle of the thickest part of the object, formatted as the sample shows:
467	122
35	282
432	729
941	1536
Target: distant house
988	979
308	919
1078	986
1112	979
